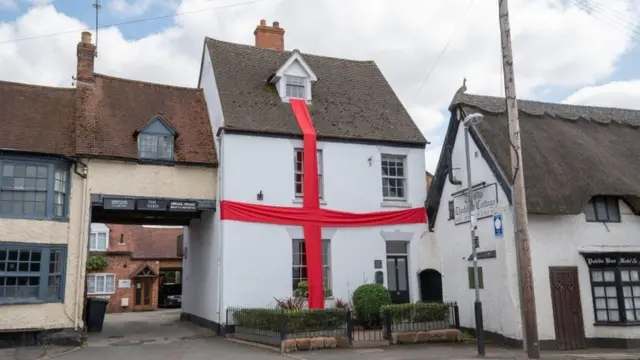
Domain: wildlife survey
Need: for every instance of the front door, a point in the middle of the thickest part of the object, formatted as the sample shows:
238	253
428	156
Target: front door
398	278
144	291
567	308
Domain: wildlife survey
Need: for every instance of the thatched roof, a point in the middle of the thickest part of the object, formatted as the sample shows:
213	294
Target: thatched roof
570	153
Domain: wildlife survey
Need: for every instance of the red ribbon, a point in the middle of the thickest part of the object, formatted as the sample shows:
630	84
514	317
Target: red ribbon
311	217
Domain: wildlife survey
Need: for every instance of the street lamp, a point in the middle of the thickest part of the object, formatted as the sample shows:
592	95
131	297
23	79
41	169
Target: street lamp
467	122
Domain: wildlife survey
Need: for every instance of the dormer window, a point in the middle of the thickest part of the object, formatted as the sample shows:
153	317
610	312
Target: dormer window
295	87
156	140
294	79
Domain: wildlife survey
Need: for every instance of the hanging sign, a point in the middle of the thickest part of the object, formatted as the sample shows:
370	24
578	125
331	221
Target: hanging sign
497	225
484	201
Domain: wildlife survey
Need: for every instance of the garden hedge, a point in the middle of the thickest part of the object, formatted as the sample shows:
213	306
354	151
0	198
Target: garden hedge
417	312
297	320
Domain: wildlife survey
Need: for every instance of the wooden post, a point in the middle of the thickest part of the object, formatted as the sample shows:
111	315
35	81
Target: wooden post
530	326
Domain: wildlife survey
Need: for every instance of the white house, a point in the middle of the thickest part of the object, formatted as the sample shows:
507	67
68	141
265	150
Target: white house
370	159
582	197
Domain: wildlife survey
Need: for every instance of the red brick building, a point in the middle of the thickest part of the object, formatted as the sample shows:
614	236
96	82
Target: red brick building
133	265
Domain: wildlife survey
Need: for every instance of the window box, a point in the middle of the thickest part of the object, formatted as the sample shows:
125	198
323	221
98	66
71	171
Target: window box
32	273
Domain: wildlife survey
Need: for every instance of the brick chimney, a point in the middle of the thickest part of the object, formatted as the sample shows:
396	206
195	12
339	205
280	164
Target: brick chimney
269	37
86	56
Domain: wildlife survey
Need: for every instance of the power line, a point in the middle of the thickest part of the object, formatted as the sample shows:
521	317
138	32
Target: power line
444	50
168	16
613	20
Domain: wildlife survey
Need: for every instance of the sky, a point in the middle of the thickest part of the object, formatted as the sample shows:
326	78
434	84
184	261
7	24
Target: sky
572	51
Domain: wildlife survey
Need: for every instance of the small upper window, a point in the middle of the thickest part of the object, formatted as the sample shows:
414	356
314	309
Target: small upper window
295	87
602	209
156	140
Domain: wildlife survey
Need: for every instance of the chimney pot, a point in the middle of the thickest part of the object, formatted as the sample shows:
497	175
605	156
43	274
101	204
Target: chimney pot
269	37
86	37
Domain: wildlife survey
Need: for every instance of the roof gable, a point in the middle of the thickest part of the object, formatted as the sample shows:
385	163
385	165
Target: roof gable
351	99
157	125
295	58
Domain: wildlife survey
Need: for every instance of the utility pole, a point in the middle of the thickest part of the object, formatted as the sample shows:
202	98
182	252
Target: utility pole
530	326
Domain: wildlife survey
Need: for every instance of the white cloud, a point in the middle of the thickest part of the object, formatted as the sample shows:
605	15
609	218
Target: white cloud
555	44
620	94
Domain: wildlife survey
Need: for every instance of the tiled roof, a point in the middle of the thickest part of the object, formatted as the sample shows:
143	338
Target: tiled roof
37	118
101	120
351	99
144	242
115	108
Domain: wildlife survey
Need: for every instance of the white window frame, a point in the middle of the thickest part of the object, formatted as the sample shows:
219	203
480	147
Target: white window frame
297	82
385	157
326	265
296	173
93	236
105	276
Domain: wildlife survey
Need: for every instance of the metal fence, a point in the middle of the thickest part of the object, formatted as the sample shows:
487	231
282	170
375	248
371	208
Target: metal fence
272	326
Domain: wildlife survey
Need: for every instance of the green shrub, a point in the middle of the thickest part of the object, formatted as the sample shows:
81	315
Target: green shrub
367	301
97	263
417	312
297	320
302	290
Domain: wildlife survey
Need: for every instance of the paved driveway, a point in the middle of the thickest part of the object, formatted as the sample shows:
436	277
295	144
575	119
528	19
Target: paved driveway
149	327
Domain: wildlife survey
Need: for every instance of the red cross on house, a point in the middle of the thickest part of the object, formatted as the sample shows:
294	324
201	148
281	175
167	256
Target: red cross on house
311	217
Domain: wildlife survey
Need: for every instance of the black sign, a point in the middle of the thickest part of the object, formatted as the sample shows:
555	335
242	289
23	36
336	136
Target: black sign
377	264
175	205
152	205
489	254
118	204
601	260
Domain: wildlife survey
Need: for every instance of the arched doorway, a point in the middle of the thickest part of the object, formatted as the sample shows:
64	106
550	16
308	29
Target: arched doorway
430	286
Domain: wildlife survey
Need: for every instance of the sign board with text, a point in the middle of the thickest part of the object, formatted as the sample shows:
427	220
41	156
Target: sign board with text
603	260
152	205
119	204
484	199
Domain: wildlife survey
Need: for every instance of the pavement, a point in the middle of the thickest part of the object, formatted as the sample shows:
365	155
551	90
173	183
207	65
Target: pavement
160	335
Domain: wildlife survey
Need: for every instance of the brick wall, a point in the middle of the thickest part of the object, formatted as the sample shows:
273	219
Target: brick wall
122	266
